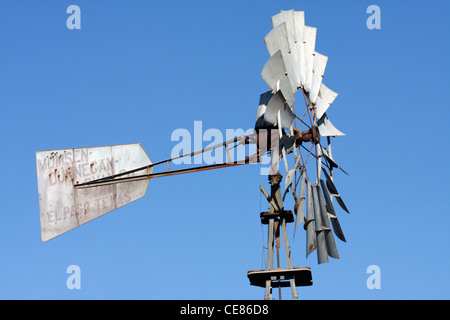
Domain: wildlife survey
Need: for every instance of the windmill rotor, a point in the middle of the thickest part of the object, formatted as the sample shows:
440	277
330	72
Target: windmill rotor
295	68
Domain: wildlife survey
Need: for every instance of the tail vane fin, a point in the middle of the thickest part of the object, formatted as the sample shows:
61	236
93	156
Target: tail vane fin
63	206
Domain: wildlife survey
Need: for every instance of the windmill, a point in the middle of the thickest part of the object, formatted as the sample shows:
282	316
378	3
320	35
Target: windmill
77	185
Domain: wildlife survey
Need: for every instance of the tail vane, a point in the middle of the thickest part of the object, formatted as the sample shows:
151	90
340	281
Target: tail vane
63	206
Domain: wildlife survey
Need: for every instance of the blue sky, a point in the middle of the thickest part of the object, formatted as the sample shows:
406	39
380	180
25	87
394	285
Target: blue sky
138	70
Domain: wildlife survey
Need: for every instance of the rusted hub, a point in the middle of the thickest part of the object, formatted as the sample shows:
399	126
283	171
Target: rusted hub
312	135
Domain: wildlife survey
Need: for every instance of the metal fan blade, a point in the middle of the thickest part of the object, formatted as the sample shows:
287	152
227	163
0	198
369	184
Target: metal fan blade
332	188
301	203
333	217
319	65
319	164
277	40
290	175
330	160
263	101
327	129
274	75
289	18
341	203
275	105
299	24
329	239
311	244
288	181
330	183
324	100
322	254
287	142
309	40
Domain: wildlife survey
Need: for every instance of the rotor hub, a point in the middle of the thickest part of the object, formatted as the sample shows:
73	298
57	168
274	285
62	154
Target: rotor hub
312	135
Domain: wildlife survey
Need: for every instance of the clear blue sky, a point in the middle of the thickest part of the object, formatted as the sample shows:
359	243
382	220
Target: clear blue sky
138	70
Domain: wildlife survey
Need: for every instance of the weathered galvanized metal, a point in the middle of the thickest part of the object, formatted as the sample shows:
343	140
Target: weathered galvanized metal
329	239
332	188
275	75
300	216
277	106
324	100
326	128
311	244
289	178
78	185
263	102
322	254
64	207
319	65
309	40
328	158
277	40
331	213
289	19
299	24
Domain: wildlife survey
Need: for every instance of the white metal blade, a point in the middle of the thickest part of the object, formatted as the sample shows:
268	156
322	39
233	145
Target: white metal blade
290	176
309	41
328	157
327	129
299	24
300	218
332	188
319	163
64	207
277	40
322	254
275	105
328	234
274	74
288	18
324	100
333	217
311	244
319	65
263	101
